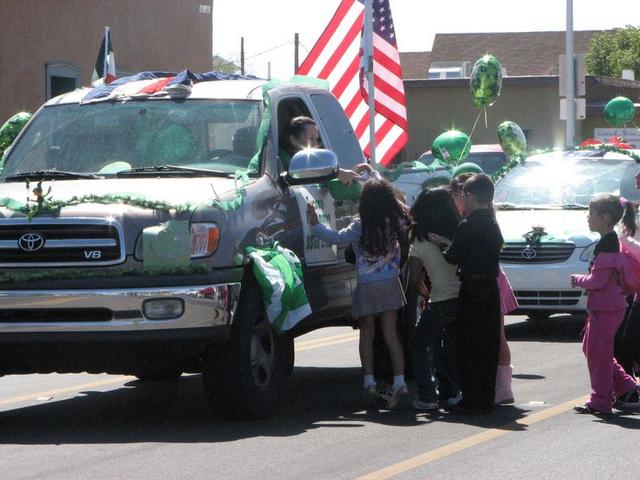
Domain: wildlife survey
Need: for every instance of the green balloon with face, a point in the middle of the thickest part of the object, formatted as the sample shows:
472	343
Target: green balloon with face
486	81
451	146
619	111
512	139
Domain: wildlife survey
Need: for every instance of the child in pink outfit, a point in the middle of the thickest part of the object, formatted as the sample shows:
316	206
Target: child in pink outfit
606	305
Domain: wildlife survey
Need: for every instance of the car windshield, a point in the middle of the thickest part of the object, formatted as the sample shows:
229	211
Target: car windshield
108	138
566	181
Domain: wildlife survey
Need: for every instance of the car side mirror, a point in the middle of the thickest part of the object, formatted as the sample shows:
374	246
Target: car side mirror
312	165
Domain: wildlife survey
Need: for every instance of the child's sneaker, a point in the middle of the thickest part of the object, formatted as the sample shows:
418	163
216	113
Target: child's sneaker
585	408
629	400
418	404
399	398
369	395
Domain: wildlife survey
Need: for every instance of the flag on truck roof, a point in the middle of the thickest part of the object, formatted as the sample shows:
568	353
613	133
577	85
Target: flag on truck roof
105	67
337	57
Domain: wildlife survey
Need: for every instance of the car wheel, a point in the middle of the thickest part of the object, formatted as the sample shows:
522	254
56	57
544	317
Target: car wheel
243	378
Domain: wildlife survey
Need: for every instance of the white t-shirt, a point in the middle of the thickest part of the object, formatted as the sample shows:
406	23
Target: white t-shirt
445	284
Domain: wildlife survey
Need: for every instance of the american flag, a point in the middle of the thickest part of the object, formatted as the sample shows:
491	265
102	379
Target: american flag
337	57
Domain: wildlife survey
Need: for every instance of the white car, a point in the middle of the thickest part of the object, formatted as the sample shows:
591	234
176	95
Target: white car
541	207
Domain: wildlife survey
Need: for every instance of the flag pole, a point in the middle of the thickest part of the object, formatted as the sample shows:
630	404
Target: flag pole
368	55
105	62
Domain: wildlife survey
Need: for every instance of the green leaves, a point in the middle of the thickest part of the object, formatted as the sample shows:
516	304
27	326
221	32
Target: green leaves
611	52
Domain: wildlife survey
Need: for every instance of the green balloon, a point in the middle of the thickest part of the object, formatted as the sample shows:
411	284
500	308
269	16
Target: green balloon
619	111
438	180
468	167
449	147
486	81
10	129
512	139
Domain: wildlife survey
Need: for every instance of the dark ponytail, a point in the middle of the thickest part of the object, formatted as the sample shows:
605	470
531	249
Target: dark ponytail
629	216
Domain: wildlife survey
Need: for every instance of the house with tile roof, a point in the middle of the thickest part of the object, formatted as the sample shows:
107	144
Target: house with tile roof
437	88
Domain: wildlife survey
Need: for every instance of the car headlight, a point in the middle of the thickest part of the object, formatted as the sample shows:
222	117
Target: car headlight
204	239
587	253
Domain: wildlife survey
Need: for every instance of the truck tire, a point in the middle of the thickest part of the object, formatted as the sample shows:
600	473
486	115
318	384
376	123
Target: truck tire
243	379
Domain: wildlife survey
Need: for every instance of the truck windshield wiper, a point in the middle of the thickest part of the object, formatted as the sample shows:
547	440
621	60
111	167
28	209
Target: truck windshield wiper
42	174
173	168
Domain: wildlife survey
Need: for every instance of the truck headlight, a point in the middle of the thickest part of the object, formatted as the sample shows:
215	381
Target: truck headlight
204	239
587	253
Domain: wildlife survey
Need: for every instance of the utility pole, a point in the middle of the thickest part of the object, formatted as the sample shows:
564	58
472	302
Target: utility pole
242	55
570	79
296	44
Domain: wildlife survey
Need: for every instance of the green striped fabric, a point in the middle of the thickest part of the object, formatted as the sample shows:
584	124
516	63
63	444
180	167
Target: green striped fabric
279	274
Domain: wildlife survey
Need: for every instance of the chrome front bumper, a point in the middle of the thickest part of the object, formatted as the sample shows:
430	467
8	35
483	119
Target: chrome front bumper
115	310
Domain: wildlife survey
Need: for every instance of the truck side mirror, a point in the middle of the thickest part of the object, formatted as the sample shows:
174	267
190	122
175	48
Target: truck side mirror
313	165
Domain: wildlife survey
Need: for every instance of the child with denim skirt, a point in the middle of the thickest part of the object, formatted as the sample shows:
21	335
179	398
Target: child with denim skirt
376	238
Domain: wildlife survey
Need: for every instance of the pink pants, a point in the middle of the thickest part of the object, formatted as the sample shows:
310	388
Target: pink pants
608	378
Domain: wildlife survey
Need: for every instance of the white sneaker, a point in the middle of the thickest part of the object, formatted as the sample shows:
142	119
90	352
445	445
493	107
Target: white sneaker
399	398
453	401
418	404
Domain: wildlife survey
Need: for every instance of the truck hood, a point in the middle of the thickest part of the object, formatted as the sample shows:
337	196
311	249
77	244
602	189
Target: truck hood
169	190
559	225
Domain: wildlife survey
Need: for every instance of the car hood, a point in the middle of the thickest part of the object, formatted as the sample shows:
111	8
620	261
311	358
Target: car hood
559	225
167	191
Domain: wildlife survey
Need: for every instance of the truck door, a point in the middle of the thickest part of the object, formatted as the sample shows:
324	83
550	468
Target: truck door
328	277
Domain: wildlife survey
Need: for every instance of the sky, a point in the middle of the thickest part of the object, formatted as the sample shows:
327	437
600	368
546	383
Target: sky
268	26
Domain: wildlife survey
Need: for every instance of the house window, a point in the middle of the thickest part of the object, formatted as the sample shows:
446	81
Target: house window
61	78
448	72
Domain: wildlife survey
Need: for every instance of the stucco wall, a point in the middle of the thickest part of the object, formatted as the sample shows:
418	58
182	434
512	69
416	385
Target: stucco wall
146	35
434	106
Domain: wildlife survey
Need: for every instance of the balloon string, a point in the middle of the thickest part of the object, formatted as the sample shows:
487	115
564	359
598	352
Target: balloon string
469	137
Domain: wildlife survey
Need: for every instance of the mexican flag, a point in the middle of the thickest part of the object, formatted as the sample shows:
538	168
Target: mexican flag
279	274
104	71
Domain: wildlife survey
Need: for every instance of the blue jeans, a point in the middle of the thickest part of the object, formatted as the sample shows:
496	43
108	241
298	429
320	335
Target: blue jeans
433	352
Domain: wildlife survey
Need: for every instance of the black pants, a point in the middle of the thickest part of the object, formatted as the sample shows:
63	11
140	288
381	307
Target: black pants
627	342
433	352
478	341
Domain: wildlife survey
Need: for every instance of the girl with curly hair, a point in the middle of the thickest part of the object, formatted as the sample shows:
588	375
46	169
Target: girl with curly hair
376	238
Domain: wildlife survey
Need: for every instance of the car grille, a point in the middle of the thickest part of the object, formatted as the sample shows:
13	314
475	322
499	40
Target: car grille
543	298
60	242
538	253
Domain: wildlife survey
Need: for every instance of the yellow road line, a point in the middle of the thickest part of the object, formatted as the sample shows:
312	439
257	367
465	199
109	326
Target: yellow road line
472	441
300	346
326	342
61	391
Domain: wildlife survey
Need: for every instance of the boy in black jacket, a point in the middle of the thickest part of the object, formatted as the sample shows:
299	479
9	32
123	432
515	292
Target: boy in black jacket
475	248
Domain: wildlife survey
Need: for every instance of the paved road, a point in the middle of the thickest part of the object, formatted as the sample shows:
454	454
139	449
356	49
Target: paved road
106	427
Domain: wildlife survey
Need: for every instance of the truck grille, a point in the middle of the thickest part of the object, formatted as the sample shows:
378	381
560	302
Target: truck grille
556	298
538	253
60	242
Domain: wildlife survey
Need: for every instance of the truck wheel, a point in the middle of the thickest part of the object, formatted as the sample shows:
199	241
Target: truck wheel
150	375
243	379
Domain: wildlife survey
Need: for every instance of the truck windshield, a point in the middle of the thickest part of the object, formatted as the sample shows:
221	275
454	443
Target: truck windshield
108	138
565	182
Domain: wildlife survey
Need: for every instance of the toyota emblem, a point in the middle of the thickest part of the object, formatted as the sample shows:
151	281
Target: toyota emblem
31	242
529	253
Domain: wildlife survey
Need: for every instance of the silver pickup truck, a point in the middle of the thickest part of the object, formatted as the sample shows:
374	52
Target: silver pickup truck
103	191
